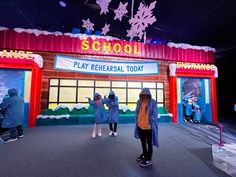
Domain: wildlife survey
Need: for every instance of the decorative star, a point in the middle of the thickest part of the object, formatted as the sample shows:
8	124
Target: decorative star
105	29
87	25
121	11
103	5
141	20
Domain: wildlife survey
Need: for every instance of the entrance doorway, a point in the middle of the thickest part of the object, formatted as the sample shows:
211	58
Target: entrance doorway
19	79
196	91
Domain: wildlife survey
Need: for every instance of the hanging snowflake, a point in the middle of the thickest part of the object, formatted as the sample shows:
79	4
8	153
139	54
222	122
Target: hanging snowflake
103	5
105	29
87	25
141	20
121	11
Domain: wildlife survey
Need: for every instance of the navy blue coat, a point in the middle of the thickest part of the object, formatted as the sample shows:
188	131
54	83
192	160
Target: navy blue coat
113	108
12	109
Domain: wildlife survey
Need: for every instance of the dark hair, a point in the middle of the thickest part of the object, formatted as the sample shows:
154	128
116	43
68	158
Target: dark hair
97	97
149	96
111	96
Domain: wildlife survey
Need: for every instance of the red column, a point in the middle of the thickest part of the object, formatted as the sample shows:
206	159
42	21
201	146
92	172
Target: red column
173	98
34	106
213	99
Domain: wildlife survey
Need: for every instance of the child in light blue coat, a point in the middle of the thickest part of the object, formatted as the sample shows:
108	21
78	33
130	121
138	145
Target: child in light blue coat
99	114
196	114
188	110
113	112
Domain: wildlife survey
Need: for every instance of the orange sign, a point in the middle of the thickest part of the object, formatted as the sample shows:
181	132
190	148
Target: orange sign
16	54
196	66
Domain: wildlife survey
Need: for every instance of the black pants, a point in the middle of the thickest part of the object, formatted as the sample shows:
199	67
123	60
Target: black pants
146	141
16	131
3	130
111	128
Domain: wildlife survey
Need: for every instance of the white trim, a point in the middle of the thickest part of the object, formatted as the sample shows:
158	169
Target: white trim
188	46
38	59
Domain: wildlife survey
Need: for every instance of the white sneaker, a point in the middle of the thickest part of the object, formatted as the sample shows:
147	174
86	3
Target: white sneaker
21	136
99	134
10	140
115	133
94	135
110	133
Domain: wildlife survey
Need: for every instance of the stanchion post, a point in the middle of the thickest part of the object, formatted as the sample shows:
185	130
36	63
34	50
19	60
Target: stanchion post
220	128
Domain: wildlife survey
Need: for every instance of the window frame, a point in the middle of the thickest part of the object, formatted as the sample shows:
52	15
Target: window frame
94	90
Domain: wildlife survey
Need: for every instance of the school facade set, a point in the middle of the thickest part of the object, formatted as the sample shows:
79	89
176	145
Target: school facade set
60	75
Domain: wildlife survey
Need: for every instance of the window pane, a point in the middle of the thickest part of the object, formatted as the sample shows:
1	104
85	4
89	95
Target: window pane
67	82
52	105
153	93
102	83
53	94
160	85
160	96
84	92
86	83
118	84
132	106
53	81
27	86
67	94
121	94
133	95
149	84
102	91
134	84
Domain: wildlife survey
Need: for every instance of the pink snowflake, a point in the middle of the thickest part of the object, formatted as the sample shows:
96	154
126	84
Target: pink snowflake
141	20
87	25
121	11
105	29
103	5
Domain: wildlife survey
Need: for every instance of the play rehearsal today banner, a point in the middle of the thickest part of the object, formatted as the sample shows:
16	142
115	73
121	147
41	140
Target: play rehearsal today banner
104	67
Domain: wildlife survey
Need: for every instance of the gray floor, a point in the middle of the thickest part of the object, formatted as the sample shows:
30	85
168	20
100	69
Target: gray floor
69	151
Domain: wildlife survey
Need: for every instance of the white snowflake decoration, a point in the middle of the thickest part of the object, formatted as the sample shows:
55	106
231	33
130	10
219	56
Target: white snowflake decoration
141	20
121	11
103	5
87	25
105	29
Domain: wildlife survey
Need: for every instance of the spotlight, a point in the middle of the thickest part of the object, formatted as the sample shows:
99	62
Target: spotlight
75	31
62	3
88	32
98	33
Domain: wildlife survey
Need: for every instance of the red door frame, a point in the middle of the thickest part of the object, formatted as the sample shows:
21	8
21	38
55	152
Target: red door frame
173	93
36	80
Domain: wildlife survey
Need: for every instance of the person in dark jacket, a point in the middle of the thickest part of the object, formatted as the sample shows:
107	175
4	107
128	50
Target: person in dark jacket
12	109
146	128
